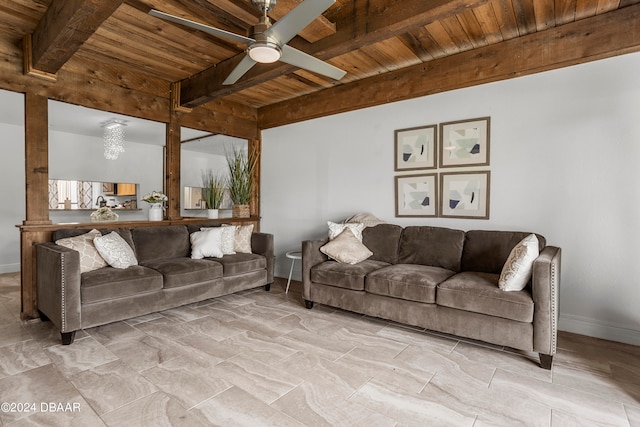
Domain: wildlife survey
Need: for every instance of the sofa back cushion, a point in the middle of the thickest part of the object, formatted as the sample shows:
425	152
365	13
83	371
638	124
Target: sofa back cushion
382	240
434	246
153	243
487	251
196	227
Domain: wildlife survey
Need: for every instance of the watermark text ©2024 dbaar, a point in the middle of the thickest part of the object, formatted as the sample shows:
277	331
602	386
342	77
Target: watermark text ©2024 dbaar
22	407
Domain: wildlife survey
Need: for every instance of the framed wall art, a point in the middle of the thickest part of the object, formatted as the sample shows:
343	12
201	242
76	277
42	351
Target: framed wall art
464	143
415	148
465	194
416	195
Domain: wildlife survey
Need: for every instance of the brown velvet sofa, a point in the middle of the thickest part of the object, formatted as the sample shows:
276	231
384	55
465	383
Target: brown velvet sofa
165	277
444	280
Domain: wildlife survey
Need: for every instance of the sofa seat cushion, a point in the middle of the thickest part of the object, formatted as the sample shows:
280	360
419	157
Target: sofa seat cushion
347	276
109	283
407	281
240	263
186	271
479	293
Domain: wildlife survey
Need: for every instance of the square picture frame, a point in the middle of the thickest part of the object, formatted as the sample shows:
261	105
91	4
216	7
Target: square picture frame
465	143
465	194
415	148
417	195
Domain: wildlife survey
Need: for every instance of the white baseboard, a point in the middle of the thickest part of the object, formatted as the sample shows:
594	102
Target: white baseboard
9	268
590	327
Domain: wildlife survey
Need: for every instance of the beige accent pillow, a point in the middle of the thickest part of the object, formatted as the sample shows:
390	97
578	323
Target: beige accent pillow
90	258
207	243
365	218
229	239
115	250
243	238
335	229
517	270
346	248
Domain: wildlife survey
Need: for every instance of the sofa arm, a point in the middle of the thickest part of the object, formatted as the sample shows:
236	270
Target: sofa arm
311	256
58	285
545	289
262	244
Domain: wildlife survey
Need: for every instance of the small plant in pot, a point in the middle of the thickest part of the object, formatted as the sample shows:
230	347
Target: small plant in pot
240	180
212	192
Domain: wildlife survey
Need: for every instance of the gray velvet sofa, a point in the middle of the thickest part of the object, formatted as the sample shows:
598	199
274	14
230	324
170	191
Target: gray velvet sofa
165	277
443	280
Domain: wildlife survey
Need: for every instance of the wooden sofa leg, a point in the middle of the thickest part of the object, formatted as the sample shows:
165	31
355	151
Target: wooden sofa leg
308	304
546	361
267	287
68	337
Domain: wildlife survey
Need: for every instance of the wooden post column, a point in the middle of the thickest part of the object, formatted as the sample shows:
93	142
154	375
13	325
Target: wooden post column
36	139
172	161
255	146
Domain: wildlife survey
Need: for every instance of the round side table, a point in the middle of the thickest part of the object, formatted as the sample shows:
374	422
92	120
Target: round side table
293	256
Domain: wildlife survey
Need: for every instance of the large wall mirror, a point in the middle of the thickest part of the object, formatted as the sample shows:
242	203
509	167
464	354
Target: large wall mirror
80	166
202	152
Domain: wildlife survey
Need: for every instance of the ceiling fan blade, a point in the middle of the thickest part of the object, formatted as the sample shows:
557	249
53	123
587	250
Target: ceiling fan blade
240	70
297	19
305	61
206	28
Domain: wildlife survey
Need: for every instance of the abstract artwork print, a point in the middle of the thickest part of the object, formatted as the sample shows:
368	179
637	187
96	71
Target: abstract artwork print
415	148
465	194
465	143
416	195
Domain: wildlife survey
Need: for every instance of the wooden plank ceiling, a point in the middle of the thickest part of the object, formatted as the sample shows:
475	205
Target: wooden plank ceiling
119	41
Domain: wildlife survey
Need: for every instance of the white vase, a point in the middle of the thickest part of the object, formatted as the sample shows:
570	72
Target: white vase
212	213
156	213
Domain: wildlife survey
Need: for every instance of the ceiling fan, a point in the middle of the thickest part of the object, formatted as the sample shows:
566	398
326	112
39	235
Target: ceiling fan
267	43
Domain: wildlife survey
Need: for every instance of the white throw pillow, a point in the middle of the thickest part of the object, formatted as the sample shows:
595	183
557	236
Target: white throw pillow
207	243
243	238
519	266
228	238
346	248
115	250
335	229
90	258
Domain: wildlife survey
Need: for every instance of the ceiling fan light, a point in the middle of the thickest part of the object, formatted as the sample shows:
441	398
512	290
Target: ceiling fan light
264	53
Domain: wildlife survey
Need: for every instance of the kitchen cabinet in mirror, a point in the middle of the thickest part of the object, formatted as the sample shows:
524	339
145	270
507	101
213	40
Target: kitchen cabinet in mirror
90	195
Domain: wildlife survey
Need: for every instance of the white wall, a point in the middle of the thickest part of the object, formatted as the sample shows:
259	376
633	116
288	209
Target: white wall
12	208
564	156
76	157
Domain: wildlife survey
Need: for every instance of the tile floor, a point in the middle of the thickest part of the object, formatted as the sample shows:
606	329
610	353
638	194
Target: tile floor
261	358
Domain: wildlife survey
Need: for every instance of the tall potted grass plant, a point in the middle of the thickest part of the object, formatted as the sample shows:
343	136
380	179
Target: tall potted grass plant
212	192
241	164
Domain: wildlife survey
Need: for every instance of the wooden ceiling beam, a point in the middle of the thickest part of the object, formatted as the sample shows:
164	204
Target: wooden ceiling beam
363	25
318	29
599	37
130	94
65	26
